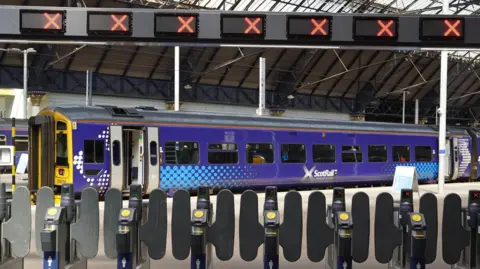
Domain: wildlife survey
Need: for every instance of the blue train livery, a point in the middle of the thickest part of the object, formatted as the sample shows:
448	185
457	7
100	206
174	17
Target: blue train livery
111	147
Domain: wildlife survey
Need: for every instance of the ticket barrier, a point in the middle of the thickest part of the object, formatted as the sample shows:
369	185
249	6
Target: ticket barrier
460	231
271	234
194	232
125	229
410	236
346	234
67	235
15	229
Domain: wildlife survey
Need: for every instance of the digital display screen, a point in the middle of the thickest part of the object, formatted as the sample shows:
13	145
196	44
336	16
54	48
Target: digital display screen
441	29
42	21
242	26
338	194
309	27
111	23
375	28
176	25
406	194
474	195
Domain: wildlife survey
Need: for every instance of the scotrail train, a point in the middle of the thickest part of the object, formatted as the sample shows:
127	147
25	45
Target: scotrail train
109	147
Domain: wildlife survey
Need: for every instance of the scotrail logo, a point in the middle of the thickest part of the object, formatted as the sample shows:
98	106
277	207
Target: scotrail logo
313	173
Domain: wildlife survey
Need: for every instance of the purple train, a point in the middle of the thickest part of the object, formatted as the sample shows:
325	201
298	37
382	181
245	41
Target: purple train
111	147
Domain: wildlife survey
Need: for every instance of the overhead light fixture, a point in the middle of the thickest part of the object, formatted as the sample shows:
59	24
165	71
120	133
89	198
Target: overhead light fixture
290	97
187	87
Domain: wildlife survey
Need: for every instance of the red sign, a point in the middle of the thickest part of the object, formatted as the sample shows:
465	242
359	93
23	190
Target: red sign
453	27
186	24
319	27
386	28
53	21
252	25
119	23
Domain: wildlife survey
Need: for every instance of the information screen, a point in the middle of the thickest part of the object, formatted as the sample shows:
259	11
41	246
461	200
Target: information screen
39	21
183	25
441	28
309	27
243	26
375	28
111	23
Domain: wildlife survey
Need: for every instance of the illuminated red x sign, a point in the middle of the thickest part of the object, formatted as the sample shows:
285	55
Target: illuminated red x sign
252	26
51	21
318	27
385	28
475	194
452	28
407	193
119	23
185	24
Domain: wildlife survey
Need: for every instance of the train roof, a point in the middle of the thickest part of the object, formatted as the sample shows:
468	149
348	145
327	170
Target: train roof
147	114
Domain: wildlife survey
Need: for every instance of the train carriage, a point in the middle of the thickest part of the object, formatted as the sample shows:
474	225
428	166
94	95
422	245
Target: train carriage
106	146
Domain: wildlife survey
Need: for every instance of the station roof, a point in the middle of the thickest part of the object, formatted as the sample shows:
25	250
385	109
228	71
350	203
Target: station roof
335	73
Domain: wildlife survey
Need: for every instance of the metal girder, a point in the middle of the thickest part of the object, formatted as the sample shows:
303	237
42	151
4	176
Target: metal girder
164	4
120	86
45	54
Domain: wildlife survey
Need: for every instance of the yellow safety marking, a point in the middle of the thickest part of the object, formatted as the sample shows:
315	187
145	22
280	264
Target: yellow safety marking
125	213
271	215
416	217
52	211
343	216
198	214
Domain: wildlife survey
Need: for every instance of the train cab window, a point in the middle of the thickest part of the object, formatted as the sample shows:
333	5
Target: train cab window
323	153
223	153
400	154
423	154
94	151
377	154
352	154
258	153
153	153
61	126
21	143
293	153
62	156
3	140
179	152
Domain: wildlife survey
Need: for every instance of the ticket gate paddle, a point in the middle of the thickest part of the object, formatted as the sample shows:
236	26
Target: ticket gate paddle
413	238
194	232
345	234
271	234
67	235
460	231
15	221
126	228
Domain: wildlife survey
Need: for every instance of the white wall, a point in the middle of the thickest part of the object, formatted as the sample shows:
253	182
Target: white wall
53	99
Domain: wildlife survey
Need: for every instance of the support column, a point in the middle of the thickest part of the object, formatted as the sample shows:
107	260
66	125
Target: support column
36	98
442	112
417	108
25	84
261	87
177	79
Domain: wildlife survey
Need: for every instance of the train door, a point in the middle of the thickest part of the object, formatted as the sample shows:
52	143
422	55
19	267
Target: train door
41	166
448	162
116	158
152	160
454	158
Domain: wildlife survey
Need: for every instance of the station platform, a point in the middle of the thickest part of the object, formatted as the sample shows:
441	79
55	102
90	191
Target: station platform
101	261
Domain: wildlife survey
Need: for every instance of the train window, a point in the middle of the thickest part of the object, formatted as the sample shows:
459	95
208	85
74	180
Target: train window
21	143
377	154
293	153
400	154
94	151
323	153
222	153
3	140
153	153
352	154
258	153
179	152
61	126
62	155
116	153
423	154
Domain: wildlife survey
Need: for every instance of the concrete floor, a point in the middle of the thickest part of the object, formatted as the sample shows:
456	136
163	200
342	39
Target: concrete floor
33	259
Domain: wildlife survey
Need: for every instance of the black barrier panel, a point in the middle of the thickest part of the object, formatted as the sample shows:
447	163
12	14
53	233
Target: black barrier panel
251	233
291	228
361	226
454	237
154	231
387	235
113	205
319	235
428	207
181	225
222	233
